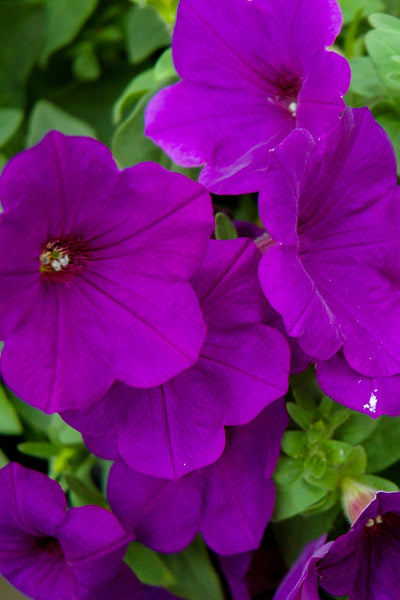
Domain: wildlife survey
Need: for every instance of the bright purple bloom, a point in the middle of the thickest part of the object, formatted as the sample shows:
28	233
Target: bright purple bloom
252	71
49	552
332	269
361	564
95	264
364	563
235	569
374	396
243	366
230	502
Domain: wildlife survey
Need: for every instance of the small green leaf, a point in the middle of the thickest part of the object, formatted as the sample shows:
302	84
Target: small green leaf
317	433
10	120
294	443
384	49
365	81
138	87
87	493
46	117
129	144
295	498
356	462
149	566
146	32
65	19
351	7
195	575
316	464
164	67
288	470
383	448
378	483
299	415
385	22
224	228
3	459
59	431
43	450
356	428
32	417
86	65
9	421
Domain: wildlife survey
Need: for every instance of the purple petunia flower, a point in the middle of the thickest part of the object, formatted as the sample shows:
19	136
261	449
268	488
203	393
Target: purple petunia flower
252	70
374	396
94	266
243	366
331	270
363	563
49	552
230	502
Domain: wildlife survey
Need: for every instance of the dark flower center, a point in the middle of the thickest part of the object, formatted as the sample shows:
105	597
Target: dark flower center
383	525
287	90
62	259
49	544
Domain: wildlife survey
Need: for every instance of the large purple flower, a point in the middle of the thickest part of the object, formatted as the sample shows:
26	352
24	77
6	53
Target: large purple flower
49	552
243	366
332	269
94	266
252	71
230	502
362	564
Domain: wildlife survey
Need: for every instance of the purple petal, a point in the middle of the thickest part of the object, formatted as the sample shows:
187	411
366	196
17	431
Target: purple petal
374	396
235	569
163	514
239	496
94	544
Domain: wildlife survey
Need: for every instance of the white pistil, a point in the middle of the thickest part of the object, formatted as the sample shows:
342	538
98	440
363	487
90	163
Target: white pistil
64	260
293	108
55	265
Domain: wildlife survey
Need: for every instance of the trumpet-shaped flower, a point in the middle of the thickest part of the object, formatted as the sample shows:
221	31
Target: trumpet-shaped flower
252	71
95	266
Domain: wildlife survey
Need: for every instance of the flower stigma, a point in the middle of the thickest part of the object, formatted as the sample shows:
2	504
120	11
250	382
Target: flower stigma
61	259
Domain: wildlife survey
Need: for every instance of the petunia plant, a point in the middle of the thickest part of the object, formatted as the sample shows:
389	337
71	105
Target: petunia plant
200	299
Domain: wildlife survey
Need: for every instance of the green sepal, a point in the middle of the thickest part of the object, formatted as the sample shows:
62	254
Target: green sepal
378	483
288	470
299	415
294	443
295	498
224	228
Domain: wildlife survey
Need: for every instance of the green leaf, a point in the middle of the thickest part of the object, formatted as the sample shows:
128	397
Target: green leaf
365	81
86	65
3	459
149	566
383	448
316	465
46	117
21	35
10	120
164	67
294	443
385	22
391	123
166	8
356	429
59	431
87	493
299	415
138	87
43	450
296	497
146	32
195	575
356	462
65	18
384	49
32	417
129	144
288	470
224	228
378	483
9	421
351	7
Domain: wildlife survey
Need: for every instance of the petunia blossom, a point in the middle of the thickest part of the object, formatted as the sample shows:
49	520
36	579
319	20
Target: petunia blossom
252	71
230	502
95	266
331	268
243	366
47	551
